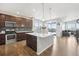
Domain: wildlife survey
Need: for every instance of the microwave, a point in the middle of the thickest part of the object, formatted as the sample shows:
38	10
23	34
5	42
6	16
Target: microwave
10	24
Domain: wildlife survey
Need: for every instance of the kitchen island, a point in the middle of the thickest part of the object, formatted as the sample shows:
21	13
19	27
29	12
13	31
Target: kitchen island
39	42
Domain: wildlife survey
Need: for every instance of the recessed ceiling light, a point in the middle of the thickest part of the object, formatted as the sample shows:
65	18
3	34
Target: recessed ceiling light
18	12
34	10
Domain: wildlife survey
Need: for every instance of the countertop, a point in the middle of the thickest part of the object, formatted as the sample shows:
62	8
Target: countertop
19	32
2	33
41	34
23	31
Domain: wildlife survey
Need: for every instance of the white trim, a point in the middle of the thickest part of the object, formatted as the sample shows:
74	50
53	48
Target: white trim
38	53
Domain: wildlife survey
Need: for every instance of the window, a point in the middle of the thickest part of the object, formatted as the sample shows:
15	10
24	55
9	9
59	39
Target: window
51	25
70	25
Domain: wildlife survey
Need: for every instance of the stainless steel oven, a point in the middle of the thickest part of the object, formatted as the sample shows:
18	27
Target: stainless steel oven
10	38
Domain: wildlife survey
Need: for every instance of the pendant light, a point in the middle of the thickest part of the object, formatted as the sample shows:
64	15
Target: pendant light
43	18
50	9
44	28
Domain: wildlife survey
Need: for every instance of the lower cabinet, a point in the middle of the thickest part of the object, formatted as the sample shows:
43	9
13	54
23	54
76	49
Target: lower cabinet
2	39
21	36
31	42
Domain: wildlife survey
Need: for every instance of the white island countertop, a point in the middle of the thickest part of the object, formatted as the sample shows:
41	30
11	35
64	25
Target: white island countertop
23	31
41	34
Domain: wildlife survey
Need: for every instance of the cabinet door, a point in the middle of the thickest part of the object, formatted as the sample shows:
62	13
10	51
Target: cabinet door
2	24
18	37
34	43
7	18
2	18
21	36
24	36
10	18
28	23
2	39
31	42
18	21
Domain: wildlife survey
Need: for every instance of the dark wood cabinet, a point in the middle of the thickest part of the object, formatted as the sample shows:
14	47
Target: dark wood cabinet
20	21
10	18
2	24
2	39
21	36
31	41
2	18
29	23
23	22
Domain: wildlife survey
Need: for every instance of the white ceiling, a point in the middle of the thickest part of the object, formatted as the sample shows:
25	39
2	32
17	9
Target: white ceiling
67	10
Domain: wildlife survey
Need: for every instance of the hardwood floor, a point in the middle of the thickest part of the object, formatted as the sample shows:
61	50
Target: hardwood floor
61	47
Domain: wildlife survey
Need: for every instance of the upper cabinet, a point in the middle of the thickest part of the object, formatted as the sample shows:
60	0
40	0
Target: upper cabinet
20	21
23	22
29	23
10	18
2	18
5	17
